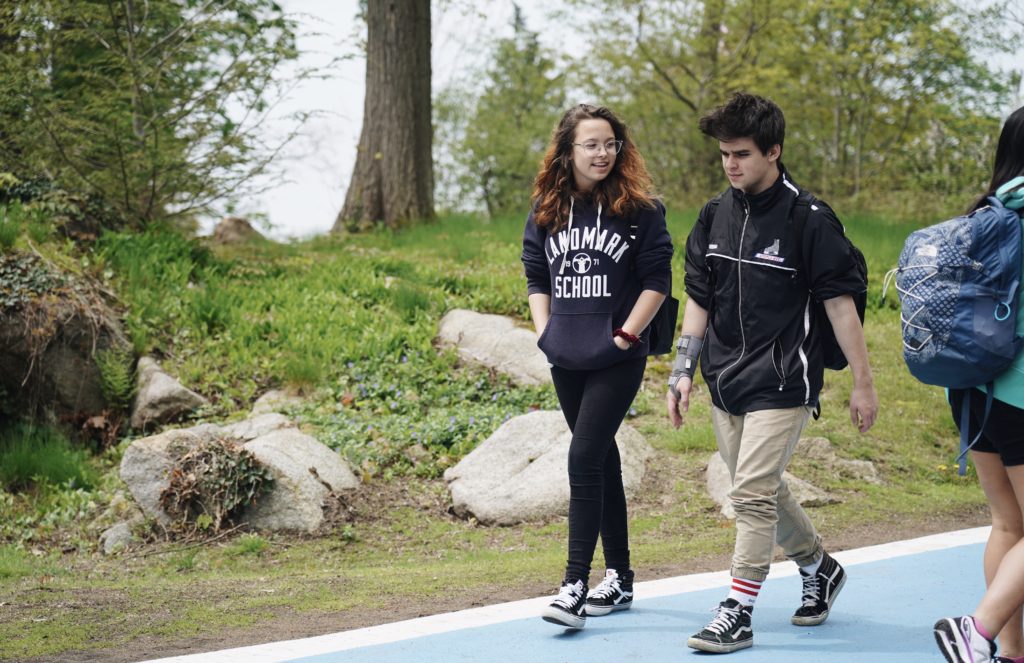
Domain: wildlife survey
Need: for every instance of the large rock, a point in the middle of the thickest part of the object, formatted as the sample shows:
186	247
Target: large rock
160	398
146	469
305	471
496	342
257	426
520	472
274	400
235	230
820	449
719	484
51	328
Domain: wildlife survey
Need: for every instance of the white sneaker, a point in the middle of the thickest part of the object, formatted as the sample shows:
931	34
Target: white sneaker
960	642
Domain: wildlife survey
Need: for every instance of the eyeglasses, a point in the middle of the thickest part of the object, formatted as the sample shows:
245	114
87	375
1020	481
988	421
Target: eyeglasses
593	148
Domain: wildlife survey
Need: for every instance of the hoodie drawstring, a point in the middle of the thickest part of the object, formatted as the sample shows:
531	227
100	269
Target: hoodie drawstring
568	230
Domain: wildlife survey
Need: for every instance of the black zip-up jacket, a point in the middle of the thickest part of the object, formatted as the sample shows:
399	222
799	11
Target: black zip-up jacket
755	277
594	269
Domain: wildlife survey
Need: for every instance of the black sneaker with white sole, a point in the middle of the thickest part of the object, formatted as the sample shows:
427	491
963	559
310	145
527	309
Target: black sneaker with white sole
820	591
569	607
614	593
728	631
960	642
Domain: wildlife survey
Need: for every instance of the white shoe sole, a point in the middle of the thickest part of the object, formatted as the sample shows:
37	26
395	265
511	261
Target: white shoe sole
820	619
717	648
600	610
563	618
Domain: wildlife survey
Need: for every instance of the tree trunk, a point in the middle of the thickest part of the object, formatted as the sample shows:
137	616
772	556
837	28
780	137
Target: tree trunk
393	179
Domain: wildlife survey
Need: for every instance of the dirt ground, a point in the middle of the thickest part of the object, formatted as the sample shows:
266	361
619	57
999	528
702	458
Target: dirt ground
289	625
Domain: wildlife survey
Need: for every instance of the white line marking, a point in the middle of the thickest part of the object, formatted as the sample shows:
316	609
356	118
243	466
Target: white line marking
494	614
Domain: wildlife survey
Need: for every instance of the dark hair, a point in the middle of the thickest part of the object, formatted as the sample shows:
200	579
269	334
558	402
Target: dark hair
1009	156
626	188
747	116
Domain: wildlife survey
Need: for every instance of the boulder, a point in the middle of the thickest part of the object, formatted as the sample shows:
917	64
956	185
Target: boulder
117	537
274	400
257	426
146	469
820	449
235	230
520	473
719	483
305	471
496	342
52	326
160	398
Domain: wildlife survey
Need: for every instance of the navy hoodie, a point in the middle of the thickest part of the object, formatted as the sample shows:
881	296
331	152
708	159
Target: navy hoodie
594	270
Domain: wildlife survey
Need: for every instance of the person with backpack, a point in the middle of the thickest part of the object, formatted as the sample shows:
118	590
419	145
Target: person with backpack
759	258
597	257
998	457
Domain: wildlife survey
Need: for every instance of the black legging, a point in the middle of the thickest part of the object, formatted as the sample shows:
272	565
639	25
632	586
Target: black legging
594	404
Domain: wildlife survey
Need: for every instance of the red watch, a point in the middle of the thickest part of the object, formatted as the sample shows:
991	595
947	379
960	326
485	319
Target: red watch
629	338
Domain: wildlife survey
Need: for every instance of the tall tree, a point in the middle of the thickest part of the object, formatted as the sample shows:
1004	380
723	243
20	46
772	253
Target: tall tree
502	134
157	108
393	179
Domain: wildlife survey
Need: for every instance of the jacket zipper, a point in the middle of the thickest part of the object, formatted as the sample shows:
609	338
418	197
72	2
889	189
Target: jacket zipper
739	304
780	365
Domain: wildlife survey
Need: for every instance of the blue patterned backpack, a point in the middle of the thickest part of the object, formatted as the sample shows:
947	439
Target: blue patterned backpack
958	286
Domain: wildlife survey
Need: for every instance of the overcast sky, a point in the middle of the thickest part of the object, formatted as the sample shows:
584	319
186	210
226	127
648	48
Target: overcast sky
317	166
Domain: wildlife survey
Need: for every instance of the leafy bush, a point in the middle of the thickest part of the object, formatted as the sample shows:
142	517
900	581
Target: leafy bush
33	455
211	483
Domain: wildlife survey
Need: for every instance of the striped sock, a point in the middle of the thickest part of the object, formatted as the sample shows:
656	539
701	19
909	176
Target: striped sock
745	591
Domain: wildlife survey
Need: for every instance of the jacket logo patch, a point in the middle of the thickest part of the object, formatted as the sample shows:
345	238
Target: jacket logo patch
771	253
582	263
712	247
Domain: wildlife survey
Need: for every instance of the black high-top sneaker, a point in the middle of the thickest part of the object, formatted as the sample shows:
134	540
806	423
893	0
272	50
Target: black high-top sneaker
820	590
614	593
728	631
569	607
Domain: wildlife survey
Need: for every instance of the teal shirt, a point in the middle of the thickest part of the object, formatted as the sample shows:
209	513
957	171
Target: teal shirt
1009	386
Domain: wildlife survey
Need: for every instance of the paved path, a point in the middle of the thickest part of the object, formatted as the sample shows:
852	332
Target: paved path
893	595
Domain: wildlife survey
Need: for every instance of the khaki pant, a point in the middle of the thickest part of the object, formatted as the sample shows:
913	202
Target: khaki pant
756	447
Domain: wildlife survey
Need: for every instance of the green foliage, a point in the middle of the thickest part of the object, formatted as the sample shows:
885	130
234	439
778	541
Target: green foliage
23	277
157	271
249	544
34	456
891	97
117	377
10	225
211	483
158	112
495	142
417	414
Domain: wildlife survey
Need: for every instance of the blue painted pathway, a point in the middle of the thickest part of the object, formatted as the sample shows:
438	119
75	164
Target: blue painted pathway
893	595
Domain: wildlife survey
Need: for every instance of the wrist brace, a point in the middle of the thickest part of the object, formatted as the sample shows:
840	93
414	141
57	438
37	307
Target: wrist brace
688	352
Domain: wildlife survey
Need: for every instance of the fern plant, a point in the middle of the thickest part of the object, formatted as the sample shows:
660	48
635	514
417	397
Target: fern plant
117	377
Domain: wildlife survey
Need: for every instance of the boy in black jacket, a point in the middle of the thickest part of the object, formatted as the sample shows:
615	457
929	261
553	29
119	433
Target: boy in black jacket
749	318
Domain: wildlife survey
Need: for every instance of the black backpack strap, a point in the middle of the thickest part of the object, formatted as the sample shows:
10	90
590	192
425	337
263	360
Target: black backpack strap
965	424
801	210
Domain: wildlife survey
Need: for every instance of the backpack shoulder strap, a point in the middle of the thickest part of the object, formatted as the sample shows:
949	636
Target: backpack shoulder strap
801	210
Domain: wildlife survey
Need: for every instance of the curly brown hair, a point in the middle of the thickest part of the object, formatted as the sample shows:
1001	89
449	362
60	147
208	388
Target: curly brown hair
627	187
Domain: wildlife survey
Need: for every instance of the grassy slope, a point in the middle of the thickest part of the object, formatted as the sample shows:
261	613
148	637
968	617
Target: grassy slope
262	315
